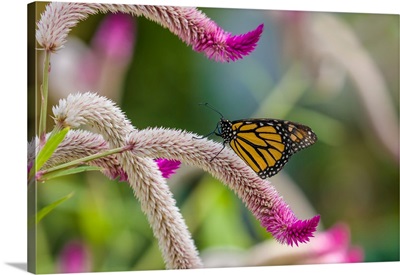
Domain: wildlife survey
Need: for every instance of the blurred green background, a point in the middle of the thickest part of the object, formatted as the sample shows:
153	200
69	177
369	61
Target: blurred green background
320	69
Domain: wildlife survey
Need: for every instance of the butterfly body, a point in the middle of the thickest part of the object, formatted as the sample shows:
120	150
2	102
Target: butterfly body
265	144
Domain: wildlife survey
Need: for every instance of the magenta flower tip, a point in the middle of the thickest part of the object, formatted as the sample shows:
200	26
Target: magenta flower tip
242	45
167	167
223	47
289	230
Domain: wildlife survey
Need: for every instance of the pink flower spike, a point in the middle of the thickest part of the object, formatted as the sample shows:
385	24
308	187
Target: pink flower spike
259	195
167	167
286	228
188	23
224	47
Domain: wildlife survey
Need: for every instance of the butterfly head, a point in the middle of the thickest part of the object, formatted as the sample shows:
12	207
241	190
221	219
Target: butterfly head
224	130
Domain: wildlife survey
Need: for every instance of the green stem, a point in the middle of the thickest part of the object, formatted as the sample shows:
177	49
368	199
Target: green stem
85	159
44	94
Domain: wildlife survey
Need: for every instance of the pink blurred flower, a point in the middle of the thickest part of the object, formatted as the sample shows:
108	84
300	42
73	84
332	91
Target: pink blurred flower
115	37
110	53
102	66
330	246
334	246
74	258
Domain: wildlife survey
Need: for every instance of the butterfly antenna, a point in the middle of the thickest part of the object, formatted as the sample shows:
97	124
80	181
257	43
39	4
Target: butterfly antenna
212	108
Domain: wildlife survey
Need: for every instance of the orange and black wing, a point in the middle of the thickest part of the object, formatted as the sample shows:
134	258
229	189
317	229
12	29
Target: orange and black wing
267	144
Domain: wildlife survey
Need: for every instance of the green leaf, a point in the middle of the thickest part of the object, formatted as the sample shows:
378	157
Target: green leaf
75	170
47	209
49	148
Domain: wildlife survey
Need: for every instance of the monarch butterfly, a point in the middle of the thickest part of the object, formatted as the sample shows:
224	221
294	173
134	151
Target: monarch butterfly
264	144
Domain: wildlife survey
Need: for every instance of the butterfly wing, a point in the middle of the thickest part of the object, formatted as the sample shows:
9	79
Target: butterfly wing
267	144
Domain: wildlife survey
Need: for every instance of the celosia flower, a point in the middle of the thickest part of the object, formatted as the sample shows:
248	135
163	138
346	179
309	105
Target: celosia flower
79	144
286	228
223	46
189	24
144	177
259	195
56	22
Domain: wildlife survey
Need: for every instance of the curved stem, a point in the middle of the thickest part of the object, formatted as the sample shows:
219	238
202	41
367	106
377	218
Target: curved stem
84	160
44	90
